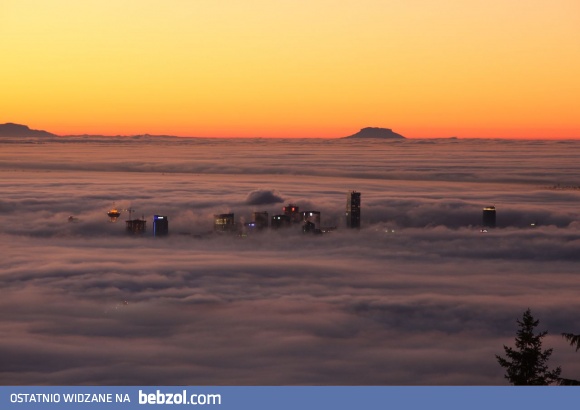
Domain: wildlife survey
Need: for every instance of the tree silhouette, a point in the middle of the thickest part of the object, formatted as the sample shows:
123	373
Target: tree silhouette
526	365
574	341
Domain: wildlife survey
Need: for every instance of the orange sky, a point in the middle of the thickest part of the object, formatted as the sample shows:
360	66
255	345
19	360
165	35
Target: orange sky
297	68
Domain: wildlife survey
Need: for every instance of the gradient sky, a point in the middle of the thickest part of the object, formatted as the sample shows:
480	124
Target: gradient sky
292	69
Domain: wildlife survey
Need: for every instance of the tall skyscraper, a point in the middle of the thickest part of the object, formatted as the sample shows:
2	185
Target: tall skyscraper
261	220
309	227
280	221
224	223
489	216
353	210
136	226
293	212
311	216
160	225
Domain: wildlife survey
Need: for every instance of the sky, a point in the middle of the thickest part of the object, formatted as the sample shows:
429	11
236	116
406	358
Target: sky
483	68
418	296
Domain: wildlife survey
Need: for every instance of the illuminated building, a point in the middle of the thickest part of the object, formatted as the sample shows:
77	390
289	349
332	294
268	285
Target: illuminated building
353	210
489	216
160	225
136	226
260	220
293	212
311	216
281	221
248	228
113	214
224	223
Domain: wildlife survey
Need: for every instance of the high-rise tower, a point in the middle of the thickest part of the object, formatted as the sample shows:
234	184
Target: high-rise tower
489	217
293	212
224	223
160	225
136	226
261	220
353	210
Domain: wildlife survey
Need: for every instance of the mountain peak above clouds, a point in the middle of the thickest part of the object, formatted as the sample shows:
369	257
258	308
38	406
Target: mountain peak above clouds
376	133
17	130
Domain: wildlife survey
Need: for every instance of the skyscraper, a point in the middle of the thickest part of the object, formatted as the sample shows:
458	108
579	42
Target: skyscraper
224	223
353	210
136	226
280	221
160	225
293	212
311	216
309	227
261	220
489	217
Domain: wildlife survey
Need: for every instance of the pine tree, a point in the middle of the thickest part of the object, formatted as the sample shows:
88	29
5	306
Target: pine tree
526	365
574	341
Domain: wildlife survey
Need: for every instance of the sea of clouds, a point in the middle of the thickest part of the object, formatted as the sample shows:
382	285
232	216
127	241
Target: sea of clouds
418	296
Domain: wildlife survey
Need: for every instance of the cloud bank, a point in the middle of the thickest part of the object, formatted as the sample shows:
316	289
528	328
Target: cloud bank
263	197
418	296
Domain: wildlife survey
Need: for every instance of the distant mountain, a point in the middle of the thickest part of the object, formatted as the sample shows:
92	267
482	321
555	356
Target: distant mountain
16	130
376	133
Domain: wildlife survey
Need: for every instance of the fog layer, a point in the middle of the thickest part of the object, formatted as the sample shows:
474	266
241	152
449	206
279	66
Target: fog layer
418	296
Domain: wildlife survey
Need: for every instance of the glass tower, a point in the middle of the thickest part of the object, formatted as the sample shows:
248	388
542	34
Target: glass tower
353	210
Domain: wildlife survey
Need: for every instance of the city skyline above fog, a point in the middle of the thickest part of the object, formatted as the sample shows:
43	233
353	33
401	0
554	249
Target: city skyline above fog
417	296
475	103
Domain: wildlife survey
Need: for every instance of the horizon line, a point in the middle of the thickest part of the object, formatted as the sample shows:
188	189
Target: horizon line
451	137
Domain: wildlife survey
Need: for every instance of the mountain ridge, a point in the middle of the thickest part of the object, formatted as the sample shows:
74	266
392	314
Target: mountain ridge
11	129
375	133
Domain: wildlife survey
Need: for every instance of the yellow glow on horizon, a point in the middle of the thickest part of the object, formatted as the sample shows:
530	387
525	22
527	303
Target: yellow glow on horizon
292	69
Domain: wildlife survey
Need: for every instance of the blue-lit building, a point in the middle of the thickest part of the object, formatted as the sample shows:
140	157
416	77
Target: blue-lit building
160	225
